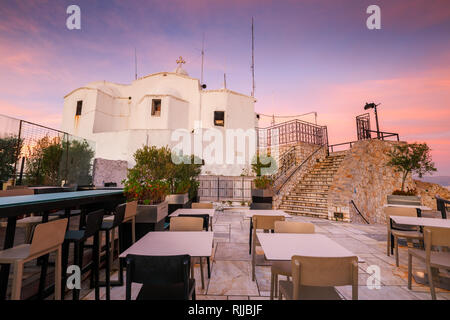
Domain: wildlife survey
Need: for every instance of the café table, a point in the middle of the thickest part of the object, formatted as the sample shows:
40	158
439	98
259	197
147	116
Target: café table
250	213
282	246
12	207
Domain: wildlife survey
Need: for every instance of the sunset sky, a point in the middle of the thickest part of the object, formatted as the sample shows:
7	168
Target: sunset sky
311	55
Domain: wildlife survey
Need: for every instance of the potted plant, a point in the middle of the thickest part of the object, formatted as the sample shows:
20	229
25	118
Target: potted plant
408	159
147	183
262	187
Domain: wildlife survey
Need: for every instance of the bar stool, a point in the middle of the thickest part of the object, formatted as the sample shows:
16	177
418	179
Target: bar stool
78	238
108	226
48	237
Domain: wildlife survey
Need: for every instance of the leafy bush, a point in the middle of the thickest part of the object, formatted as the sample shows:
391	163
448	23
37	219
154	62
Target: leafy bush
9	152
263	182
264	165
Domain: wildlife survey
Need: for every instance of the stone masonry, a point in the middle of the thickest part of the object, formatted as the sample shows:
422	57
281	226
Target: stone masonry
109	171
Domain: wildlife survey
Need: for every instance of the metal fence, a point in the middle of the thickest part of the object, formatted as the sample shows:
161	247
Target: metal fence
33	154
224	188
290	132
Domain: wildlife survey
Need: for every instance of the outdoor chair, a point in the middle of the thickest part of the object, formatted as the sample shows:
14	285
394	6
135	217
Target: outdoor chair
198	205
285	267
108	227
162	277
78	238
256	206
205	218
189	224
266	223
314	278
27	223
48	237
434	260
396	231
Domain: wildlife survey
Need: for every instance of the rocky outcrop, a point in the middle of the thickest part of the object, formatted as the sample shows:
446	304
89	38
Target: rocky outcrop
427	191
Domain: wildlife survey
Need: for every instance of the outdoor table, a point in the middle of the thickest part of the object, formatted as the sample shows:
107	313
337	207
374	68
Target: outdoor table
282	246
423	222
12	207
169	243
250	213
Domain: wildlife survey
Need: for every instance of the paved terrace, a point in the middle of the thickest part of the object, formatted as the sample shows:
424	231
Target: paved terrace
231	264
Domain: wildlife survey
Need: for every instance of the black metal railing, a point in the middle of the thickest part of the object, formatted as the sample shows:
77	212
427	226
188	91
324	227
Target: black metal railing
359	212
290	132
381	135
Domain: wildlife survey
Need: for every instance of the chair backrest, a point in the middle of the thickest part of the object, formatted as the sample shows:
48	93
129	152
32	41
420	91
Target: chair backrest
93	223
293	227
197	205
260	206
186	224
119	214
324	272
48	235
158	271
16	192
265	222
399	211
130	210
205	218
434	236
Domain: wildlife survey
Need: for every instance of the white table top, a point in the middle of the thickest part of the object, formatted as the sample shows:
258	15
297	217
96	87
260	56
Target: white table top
419	221
168	243
423	208
251	213
209	212
282	246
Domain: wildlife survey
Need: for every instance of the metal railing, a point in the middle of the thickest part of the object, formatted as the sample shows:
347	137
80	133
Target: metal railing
381	135
290	132
359	212
443	206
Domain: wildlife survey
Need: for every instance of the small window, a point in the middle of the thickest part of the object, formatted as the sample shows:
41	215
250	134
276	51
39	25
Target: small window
79	107
156	107
219	118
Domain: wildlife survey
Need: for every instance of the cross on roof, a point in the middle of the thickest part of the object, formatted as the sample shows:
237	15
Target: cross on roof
180	61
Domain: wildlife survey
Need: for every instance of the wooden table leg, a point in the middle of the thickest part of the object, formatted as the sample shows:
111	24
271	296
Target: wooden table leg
9	242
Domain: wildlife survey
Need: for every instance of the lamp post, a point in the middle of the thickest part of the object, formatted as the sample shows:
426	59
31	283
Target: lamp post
374	106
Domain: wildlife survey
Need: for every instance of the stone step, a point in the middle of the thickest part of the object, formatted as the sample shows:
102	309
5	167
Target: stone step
307	213
303	198
304	208
303	204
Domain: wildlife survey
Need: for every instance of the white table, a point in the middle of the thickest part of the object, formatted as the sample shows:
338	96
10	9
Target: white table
282	246
209	212
251	213
424	222
168	243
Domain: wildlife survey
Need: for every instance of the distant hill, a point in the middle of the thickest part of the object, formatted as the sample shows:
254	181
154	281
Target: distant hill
442	180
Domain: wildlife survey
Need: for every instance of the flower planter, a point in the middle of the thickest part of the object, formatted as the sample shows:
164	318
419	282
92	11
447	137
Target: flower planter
177	198
150	218
404	200
262	195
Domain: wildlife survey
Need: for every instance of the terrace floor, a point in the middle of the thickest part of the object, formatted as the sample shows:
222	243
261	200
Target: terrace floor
231	264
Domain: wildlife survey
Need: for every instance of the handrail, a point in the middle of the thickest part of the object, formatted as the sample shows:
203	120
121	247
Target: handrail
384	134
298	167
331	147
441	205
359	212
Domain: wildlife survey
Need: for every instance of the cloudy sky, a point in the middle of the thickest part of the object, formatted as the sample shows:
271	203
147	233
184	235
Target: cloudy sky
311	55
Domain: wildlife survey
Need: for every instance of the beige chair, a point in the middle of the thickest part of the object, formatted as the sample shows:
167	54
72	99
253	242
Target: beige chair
392	233
48	237
266	223
203	205
314	278
197	205
285	267
434	260
27	223
189	224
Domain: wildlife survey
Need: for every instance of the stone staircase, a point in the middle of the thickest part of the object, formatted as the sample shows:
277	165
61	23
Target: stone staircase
309	197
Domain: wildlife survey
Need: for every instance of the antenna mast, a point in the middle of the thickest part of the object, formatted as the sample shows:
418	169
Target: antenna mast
135	64
253	61
203	57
